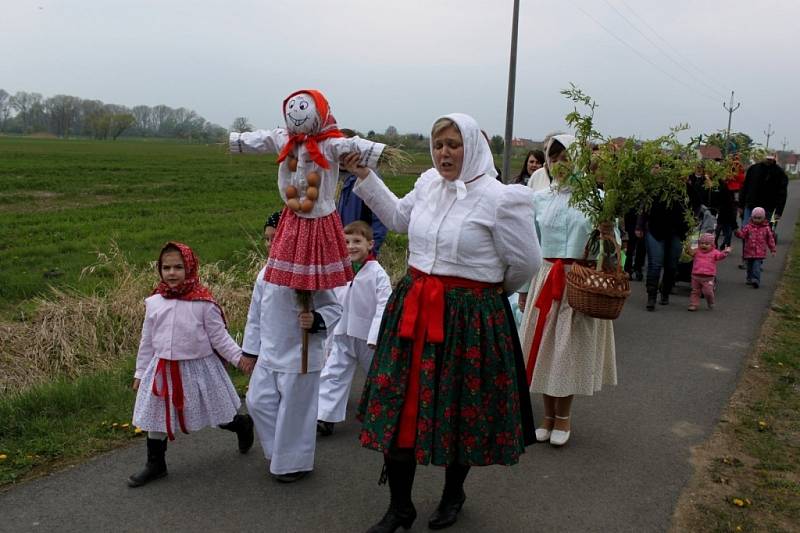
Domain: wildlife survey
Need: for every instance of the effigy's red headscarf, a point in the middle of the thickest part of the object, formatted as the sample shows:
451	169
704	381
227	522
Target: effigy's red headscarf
190	289
328	129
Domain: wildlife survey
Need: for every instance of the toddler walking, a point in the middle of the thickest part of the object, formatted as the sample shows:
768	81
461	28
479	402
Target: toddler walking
704	270
356	334
757	237
180	381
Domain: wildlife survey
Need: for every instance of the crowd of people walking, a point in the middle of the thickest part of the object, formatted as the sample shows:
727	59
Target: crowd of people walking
449	369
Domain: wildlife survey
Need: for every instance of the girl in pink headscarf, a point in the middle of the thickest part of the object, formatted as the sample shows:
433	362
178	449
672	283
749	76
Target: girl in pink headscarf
757	236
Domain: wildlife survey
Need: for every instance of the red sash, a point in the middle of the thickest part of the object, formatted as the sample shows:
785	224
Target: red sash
552	290
177	392
423	321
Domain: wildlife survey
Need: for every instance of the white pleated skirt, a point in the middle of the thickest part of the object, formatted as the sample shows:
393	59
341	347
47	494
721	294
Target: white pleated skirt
210	398
577	354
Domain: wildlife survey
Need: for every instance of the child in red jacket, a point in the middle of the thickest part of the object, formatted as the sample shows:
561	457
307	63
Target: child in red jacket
757	236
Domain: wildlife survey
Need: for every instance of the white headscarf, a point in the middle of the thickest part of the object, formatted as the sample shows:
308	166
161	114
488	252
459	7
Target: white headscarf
477	161
566	140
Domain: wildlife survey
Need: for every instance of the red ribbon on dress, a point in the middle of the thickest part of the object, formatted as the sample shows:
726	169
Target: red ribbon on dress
552	290
423	321
177	393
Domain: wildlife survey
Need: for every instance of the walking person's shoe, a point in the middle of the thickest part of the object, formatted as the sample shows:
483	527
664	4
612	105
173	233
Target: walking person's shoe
692	307
755	284
291	477
637	275
156	466
324	429
664	299
446	512
399	470
651	301
543	434
242	425
742	266
560	437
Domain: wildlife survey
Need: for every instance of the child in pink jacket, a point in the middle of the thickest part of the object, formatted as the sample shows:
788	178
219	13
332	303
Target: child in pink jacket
704	270
757	236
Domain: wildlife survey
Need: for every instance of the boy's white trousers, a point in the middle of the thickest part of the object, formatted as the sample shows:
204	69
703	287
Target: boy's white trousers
337	375
284	410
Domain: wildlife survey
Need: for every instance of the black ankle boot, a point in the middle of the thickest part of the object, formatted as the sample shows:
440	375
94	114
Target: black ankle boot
155	467
400	471
453	498
651	301
242	425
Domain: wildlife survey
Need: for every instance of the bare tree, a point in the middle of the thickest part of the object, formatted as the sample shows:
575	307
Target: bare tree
241	125
28	107
62	111
5	108
142	114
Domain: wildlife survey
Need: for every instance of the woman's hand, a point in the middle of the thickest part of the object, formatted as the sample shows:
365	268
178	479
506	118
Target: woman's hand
350	161
136	382
606	230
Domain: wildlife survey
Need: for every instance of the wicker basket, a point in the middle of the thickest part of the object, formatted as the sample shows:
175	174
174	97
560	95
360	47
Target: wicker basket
599	294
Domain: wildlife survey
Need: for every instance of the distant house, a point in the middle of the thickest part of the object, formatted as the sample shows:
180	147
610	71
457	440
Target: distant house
708	151
521	142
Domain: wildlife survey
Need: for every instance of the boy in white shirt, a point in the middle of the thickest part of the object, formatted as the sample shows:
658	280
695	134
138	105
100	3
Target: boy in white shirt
281	399
356	334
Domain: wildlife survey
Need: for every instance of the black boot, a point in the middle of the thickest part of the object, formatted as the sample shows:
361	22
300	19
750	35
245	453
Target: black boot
651	300
400	470
453	497
242	425
155	467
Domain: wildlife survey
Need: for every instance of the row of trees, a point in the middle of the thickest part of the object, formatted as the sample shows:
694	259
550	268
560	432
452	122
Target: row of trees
71	116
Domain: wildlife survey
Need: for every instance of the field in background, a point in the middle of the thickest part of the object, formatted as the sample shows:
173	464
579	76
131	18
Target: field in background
62	201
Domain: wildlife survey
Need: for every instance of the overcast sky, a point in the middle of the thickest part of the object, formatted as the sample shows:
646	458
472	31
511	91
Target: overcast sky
403	63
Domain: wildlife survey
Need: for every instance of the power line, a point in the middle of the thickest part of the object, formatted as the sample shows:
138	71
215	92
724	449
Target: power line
677	52
660	49
643	57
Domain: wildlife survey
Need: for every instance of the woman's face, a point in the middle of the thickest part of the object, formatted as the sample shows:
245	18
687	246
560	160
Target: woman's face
533	164
448	153
560	167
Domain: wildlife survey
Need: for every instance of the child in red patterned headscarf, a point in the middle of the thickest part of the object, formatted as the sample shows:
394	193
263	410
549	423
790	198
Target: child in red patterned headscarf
181	383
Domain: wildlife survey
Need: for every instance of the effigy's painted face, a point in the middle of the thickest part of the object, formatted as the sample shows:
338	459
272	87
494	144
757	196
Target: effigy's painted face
301	114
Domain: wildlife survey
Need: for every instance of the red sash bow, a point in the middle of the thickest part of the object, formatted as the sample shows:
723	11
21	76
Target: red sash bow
311	145
423	321
552	290
177	393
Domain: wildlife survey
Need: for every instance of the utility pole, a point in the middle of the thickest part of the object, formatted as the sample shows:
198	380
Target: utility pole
785	142
730	109
512	81
769	133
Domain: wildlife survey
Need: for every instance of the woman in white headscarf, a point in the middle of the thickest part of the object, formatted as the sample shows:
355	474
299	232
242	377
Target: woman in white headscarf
446	384
566	352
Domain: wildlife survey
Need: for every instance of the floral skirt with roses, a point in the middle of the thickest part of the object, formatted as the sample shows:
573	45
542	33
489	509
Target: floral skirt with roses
471	411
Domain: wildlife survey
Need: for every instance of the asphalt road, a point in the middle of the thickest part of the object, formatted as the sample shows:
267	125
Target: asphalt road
623	469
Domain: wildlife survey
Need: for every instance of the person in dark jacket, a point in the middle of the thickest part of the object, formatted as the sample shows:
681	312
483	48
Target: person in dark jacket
698	187
352	208
724	203
663	228
635	250
765	185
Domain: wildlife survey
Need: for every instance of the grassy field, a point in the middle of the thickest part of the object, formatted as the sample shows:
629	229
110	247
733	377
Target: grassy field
62	201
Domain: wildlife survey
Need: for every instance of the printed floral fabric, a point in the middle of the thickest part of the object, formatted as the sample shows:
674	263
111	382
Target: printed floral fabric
309	253
469	405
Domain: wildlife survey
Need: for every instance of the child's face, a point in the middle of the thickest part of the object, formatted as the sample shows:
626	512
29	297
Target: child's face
757	219
269	233
358	247
172	271
705	246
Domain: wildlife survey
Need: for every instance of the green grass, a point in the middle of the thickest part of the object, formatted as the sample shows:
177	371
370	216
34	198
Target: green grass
63	421
763	440
63	200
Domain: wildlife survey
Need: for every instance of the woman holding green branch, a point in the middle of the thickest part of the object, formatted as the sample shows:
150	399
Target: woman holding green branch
567	352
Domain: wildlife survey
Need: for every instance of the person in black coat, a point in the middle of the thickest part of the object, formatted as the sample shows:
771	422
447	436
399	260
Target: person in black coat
664	229
765	185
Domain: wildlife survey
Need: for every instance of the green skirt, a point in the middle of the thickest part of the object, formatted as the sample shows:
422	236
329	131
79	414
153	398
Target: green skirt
471	410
